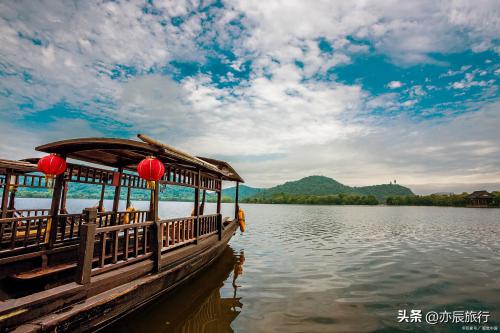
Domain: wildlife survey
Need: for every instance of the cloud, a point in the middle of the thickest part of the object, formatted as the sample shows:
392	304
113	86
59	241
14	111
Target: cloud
273	102
395	84
407	32
464	150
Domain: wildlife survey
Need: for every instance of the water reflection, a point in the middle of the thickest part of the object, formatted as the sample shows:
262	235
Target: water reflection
194	307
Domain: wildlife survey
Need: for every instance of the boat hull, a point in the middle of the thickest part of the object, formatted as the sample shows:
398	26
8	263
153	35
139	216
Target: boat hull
102	306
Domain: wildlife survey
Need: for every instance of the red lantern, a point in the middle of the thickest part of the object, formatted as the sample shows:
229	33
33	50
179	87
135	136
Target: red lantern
151	169
52	165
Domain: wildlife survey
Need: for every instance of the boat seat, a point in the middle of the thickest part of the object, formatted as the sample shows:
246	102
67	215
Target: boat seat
42	272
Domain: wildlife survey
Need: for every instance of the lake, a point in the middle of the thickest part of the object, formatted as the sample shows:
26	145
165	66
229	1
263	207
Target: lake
335	269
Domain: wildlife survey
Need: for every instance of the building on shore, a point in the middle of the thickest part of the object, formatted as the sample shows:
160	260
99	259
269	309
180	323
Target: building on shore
479	199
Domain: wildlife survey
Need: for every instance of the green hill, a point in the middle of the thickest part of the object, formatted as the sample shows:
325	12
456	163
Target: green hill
244	192
324	186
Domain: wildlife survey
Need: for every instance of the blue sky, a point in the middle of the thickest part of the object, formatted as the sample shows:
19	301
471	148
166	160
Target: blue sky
363	92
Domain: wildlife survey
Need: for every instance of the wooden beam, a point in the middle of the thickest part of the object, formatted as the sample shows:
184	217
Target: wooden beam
236	206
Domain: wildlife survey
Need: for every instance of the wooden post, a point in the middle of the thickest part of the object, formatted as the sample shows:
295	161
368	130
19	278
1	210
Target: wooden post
202	206
64	197
5	195
51	229
116	199
156	238
86	249
12	201
128	197
197	207
219	215
101	200
5	199
236	206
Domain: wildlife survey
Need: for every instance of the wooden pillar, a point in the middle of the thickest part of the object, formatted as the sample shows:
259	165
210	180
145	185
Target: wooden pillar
128	197
86	249
101	200
197	207
64	198
157	242
116	198
5	199
236	206
202	206
51	230
12	201
219	215
5	195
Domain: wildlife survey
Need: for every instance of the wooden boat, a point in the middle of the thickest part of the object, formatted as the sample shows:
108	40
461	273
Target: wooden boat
194	307
65	272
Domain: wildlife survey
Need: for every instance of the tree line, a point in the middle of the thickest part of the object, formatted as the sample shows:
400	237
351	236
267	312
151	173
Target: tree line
336	199
446	200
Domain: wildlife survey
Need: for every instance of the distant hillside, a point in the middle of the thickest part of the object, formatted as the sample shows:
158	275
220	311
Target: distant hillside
244	192
324	186
383	191
312	185
309	189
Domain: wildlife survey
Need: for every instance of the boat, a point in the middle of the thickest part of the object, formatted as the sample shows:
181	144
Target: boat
63	271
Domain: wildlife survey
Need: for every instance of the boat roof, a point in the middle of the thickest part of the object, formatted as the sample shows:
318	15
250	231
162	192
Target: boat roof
225	167
126	153
16	166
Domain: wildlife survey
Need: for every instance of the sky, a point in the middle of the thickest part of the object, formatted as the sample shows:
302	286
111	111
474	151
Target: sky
364	92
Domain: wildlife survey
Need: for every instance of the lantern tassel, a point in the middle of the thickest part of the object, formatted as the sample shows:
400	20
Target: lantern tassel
49	181
151	184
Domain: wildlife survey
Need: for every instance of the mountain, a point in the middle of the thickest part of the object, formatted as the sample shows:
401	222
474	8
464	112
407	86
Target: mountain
312	185
324	186
243	192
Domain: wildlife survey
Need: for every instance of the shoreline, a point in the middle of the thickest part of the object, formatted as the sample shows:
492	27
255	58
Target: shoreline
287	204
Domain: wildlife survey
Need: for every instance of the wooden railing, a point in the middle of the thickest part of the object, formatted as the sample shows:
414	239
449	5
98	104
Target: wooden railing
27	212
21	232
180	231
208	225
34	181
69	227
69	224
124	217
119	245
177	232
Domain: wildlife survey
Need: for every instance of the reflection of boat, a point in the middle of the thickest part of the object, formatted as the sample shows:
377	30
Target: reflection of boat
66	272
194	307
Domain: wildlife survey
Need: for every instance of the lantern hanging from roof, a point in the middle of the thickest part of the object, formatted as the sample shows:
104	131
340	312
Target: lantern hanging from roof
151	169
51	165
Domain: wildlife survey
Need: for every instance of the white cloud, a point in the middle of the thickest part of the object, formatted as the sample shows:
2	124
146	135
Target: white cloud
313	126
395	84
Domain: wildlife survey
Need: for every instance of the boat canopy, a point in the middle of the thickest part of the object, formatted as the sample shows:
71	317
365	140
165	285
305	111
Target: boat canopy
224	166
126	154
16	167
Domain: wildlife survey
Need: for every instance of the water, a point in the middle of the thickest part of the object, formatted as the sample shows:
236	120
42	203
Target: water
337	269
